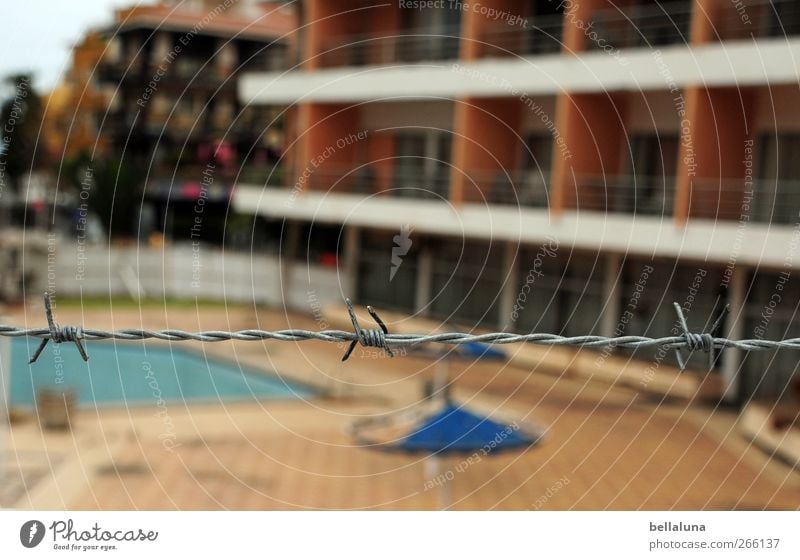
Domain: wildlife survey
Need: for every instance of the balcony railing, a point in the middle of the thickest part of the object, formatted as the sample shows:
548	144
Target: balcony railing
646	196
401	46
366	180
538	35
642	25
515	188
758	18
770	201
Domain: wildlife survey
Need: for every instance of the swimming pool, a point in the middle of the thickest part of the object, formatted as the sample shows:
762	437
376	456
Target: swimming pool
133	374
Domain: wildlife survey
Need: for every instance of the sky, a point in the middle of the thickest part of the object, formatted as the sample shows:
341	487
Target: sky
37	35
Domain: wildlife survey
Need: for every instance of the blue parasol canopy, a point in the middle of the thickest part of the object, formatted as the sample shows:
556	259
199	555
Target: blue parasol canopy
454	430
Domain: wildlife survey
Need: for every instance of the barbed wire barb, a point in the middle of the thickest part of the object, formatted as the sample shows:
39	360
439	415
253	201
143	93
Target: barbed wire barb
367	337
698	341
59	334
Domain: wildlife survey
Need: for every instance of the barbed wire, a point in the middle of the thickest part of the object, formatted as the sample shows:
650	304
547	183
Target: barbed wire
381	338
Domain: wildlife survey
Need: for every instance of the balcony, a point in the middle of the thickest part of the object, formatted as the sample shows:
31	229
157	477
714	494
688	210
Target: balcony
536	36
367	180
515	188
642	196
407	46
643	25
775	202
197	72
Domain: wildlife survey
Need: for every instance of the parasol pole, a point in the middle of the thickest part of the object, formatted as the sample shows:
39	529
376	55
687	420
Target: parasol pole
435	464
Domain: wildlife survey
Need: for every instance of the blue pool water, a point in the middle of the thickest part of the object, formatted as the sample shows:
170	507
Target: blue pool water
136	375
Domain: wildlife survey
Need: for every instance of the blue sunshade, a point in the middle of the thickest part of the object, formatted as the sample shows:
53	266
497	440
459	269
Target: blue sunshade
456	430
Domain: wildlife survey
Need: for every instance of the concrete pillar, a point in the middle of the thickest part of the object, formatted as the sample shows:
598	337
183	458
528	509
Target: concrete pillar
612	286
288	260
733	356
510	285
349	271
423	295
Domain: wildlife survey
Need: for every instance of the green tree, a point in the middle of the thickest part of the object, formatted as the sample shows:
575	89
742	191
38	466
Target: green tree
21	116
110	187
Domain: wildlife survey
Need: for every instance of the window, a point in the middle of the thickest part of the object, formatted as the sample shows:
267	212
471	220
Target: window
422	164
467	281
771	312
559	294
387	269
776	195
650	187
649	289
430	34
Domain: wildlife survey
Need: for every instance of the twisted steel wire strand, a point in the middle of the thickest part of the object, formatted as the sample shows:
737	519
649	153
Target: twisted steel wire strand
397	340
383	339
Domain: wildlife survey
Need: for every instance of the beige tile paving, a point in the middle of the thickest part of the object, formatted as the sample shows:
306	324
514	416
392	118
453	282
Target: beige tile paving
616	449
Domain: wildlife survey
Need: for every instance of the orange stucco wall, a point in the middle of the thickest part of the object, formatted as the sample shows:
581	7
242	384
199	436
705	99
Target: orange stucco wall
711	165
486	141
594	132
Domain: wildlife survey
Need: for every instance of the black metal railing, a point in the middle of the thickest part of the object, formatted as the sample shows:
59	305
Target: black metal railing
773	201
410	45
641	25
759	18
646	196
367	180
514	188
533	36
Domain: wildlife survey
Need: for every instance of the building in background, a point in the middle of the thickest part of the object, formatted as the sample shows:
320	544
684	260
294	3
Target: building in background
157	93
569	167
75	108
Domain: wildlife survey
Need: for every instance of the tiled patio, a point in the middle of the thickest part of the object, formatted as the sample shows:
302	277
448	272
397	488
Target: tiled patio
604	449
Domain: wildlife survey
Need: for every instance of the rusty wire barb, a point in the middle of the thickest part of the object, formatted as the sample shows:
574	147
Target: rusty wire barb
703	341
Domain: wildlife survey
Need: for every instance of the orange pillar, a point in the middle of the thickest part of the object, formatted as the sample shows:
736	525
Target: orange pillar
487	143
592	126
717	124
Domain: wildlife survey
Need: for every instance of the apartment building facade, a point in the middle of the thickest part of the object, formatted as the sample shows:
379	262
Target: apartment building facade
172	109
554	166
